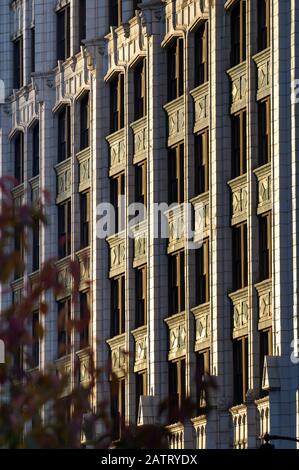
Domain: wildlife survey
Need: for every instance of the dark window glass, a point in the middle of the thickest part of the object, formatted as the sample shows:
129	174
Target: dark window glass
19	157
176	175
63	34
240	369
177	389
64	229
117	189
18	78
140	183
140	90
117	103
141	389
84	122
265	246
175	61
202	162
32	50
238	33
117	403
202	273
239	251
35	339
263	16
35	245
64	134
63	328
264	132
201	54
84	219
265	350
82	21
115	12
239	144
176	283
202	371
84	320
35	150
141	288
118	306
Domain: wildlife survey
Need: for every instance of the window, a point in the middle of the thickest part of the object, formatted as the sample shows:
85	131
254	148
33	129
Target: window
263	16
84	122
19	248
176	174
118	306
18	79
115	12
239	145
140	90
64	134
264	131
177	388
117	103
84	320
19	157
175	60
64	229
266	349
176	283
63	34
202	370
84	219
202	162
63	329
35	245
35	339
140	183
202	273
141	289
82	21
117	189
117	400
240	369
35	150
238	33
141	389
201	54
265	246
239	251
32	50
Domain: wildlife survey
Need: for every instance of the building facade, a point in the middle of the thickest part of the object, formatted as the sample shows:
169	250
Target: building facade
164	101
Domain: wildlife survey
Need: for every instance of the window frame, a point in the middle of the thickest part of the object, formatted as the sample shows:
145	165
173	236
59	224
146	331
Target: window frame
175	67
176	283
201	52
176	174
64	228
64	335
18	63
63	33
64	133
239	143
238	33
117	92
202	267
240	369
265	246
264	131
239	256
202	162
118	298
